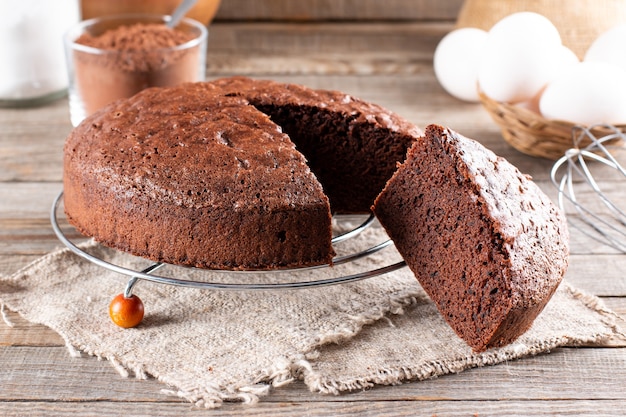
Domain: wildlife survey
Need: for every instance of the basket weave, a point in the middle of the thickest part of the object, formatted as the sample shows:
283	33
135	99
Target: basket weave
530	133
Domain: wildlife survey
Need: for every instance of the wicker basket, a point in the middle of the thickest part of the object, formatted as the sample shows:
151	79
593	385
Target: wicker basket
579	24
530	133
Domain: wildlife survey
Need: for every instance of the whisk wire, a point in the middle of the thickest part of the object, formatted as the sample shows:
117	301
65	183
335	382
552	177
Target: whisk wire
608	226
620	215
567	182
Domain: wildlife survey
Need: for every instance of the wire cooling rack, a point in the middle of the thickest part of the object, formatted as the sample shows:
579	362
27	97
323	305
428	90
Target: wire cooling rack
150	272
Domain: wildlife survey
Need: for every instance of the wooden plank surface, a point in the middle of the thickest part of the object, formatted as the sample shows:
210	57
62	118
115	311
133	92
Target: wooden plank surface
313	10
607	408
377	50
565	373
566	376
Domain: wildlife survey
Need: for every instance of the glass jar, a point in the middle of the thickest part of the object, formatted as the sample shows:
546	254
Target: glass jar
32	60
100	75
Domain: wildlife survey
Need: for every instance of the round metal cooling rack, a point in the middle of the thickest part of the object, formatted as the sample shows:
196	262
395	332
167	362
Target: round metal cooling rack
148	273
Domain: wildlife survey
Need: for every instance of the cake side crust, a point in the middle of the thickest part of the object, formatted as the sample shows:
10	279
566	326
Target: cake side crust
216	238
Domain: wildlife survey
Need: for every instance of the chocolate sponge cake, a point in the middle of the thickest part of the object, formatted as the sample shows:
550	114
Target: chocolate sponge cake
200	175
483	240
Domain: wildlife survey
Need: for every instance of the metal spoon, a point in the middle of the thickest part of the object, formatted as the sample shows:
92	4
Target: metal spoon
180	11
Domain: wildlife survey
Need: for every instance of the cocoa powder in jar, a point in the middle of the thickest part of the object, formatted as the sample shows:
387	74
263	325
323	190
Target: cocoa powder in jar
125	60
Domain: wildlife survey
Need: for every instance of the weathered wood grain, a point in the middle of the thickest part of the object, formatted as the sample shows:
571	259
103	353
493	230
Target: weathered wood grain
346	10
564	374
21	332
292	39
607	408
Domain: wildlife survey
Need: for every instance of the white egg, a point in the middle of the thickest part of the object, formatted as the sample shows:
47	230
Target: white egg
523	52
517	73
567	58
609	47
587	93
456	62
527	27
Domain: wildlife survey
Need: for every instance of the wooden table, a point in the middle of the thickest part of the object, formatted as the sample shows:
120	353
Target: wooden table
381	52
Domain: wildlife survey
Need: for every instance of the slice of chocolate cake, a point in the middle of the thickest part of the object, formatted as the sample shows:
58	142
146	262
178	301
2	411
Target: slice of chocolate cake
485	243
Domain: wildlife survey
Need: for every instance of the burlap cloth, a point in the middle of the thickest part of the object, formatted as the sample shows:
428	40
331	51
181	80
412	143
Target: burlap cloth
210	346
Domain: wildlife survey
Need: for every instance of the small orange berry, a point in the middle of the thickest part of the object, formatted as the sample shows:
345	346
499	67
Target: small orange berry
126	312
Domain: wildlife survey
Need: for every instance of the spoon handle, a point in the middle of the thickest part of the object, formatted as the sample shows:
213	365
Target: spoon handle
180	11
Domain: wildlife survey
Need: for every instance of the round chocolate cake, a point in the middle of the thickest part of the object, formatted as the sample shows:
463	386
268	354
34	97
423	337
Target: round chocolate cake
215	175
485	243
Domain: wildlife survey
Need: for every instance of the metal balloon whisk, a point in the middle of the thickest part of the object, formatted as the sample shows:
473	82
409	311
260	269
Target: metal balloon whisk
588	205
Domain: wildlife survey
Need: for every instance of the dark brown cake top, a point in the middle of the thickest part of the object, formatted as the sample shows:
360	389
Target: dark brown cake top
194	146
261	92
